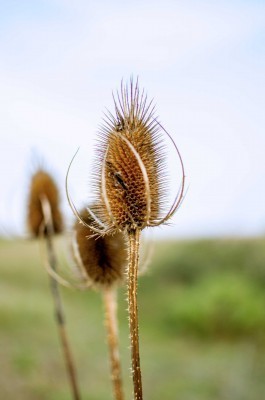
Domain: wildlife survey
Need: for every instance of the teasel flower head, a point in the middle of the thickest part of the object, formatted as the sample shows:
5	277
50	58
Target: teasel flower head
129	177
102	260
42	187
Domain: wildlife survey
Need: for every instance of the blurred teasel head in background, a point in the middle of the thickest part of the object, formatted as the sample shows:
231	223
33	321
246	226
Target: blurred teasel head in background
102	261
43	186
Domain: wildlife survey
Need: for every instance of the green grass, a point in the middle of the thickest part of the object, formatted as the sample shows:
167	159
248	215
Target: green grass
189	261
202	326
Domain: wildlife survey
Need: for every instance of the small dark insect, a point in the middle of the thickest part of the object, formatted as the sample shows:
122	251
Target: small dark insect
117	176
119	179
120	125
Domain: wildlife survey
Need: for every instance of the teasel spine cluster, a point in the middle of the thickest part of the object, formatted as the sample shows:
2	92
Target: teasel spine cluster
44	221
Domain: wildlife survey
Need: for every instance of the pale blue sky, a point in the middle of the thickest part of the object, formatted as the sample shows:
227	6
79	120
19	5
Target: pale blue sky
203	62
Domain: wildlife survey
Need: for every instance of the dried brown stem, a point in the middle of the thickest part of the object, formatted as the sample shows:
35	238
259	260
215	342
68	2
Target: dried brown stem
110	303
58	307
134	237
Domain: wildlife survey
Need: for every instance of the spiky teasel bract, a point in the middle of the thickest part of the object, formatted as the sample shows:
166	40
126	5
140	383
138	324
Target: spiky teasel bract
43	186
103	259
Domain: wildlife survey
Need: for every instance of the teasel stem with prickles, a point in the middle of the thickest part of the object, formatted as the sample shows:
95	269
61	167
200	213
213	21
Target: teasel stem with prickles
44	220
102	262
130	188
134	238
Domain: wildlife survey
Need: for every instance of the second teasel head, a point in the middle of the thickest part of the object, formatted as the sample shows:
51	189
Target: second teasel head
103	259
43	186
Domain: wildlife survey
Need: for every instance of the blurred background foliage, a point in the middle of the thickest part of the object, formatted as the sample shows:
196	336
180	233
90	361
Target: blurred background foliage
202	325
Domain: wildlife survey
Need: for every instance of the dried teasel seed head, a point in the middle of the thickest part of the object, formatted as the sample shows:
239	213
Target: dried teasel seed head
103	259
42	185
130	179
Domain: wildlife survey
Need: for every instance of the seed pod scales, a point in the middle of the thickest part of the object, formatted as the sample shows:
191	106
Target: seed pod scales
131	162
42	184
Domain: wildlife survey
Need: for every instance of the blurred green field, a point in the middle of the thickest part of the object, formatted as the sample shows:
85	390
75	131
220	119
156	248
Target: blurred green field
202	325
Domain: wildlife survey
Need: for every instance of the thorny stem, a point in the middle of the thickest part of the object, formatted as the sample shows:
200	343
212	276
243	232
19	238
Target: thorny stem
134	237
110	303
58	307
